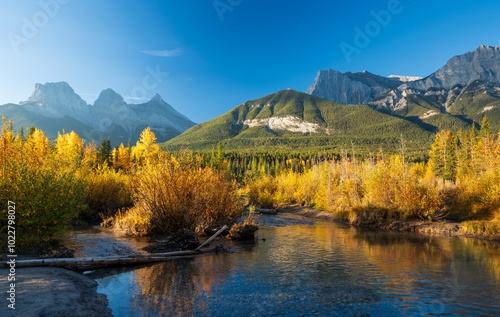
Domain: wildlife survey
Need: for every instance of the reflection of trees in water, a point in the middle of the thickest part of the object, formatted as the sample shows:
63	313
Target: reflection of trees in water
178	288
303	259
168	289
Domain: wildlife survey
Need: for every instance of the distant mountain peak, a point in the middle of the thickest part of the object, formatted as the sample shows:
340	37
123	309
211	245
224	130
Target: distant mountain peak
487	47
483	63
109	115
53	91
157	98
57	100
109	97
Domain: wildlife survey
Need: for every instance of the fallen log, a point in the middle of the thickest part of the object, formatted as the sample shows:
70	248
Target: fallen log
93	263
211	238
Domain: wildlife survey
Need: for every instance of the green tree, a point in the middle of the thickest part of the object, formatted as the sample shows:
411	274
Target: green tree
444	155
104	152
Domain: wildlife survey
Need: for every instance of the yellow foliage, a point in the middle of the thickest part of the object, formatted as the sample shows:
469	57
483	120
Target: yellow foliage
146	149
107	191
37	145
69	148
121	158
180	194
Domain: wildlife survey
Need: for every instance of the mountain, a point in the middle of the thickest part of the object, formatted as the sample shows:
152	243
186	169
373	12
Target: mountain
57	100
21	117
294	120
483	64
353	88
458	94
109	116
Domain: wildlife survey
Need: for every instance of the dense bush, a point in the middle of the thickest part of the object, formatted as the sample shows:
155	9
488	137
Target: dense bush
47	194
108	190
175	193
460	181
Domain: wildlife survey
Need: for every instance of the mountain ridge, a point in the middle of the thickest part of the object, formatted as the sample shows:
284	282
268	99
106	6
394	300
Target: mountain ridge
290	118
426	101
109	116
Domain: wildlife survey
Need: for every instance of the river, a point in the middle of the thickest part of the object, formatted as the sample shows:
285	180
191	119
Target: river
302	267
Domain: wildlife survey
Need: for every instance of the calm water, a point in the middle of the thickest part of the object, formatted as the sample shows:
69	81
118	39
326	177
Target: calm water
308	267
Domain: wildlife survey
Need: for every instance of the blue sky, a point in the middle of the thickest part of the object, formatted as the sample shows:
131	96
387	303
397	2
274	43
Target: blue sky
205	57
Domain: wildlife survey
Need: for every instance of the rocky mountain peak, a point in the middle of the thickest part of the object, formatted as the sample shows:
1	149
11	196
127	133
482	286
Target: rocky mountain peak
483	63
157	98
109	97
59	95
350	88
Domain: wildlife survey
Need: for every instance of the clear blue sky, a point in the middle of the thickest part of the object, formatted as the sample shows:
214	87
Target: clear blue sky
219	57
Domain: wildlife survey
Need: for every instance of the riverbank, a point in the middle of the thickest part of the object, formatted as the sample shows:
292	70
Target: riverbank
441	228
53	292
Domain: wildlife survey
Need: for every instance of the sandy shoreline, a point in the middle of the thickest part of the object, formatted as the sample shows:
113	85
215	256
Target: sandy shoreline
52	292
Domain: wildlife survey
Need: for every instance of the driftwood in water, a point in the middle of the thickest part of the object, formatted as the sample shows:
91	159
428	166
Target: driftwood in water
93	263
90	263
211	238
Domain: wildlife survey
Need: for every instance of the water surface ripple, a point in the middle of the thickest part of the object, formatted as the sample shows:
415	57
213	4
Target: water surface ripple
306	267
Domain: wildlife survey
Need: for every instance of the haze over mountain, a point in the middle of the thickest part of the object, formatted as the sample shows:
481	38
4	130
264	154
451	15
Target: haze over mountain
110	115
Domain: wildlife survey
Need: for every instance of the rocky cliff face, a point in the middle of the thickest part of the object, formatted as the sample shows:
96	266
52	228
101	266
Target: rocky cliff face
449	82
57	100
392	93
351	88
483	64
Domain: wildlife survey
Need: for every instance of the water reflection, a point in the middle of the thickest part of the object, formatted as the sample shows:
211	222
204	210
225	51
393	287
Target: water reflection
93	241
314	267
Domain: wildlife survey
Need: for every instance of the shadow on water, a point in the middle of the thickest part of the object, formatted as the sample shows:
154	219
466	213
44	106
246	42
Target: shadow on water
307	267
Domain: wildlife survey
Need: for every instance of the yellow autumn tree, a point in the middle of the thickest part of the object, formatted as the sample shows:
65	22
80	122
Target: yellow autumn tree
7	146
37	145
121	158
146	148
46	196
89	158
69	148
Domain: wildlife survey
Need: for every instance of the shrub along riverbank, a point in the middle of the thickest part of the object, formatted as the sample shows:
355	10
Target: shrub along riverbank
460	181
142	190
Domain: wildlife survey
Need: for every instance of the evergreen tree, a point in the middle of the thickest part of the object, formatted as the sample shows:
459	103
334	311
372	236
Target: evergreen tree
444	155
21	134
485	128
31	130
104	152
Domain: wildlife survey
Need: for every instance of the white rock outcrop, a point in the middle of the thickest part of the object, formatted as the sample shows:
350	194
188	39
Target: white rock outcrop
288	123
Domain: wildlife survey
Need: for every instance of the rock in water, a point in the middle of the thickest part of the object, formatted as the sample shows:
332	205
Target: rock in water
242	232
